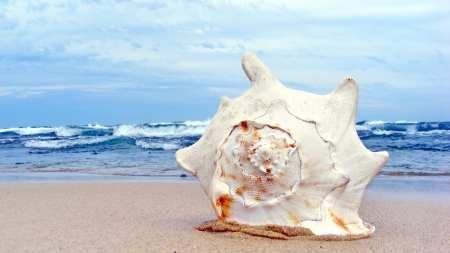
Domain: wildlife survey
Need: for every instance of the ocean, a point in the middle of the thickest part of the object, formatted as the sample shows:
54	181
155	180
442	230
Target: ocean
415	148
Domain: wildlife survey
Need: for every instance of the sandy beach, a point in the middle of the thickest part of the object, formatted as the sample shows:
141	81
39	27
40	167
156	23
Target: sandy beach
149	216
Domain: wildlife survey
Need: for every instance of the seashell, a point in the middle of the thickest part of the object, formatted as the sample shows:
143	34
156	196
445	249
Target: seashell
285	157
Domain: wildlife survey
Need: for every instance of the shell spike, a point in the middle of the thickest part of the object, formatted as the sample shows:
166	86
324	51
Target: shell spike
346	94
181	156
339	111
224	101
257	72
383	157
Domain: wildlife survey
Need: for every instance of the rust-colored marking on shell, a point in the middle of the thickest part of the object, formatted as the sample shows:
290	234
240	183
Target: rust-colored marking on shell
262	190
293	218
226	202
338	221
227	161
244	126
320	189
242	189
269	179
307	204
228	175
246	143
244	159
255	134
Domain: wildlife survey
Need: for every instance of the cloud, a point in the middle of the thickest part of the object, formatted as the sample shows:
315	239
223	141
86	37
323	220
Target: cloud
376	59
198	45
26	91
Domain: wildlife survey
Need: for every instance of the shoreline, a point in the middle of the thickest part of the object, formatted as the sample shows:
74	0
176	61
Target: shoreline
381	183
84	177
410	215
50	176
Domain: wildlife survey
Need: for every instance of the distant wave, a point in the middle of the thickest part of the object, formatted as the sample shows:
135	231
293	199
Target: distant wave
58	131
151	130
53	144
402	127
151	136
415	148
144	130
28	130
413	173
153	145
191	128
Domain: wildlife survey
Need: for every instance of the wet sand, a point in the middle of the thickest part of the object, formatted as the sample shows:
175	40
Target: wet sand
149	216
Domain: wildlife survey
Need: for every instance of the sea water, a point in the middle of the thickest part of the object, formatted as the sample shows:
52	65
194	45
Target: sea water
415	148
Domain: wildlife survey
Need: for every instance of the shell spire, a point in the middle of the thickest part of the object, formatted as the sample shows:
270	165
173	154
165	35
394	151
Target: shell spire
291	158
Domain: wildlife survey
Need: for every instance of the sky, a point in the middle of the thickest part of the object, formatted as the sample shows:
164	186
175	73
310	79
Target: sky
132	62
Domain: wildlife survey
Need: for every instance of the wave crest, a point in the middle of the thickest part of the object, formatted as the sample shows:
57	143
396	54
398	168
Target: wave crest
54	144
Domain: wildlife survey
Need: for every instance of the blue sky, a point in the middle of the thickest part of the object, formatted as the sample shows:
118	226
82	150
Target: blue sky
131	62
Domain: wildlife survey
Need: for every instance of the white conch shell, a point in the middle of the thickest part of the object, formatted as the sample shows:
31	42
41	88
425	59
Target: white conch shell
285	157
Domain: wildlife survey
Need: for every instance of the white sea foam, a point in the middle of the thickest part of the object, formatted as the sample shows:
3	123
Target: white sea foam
435	132
97	126
28	130
197	123
66	132
362	128
53	144
405	122
382	132
161	123
153	145
379	122
3	141
412	129
146	131
170	146
375	122
59	131
187	123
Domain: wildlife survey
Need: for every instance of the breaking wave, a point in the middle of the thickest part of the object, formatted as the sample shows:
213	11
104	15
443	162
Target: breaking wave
415	148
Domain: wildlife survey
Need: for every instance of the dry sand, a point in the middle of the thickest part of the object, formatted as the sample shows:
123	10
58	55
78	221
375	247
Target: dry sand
160	217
